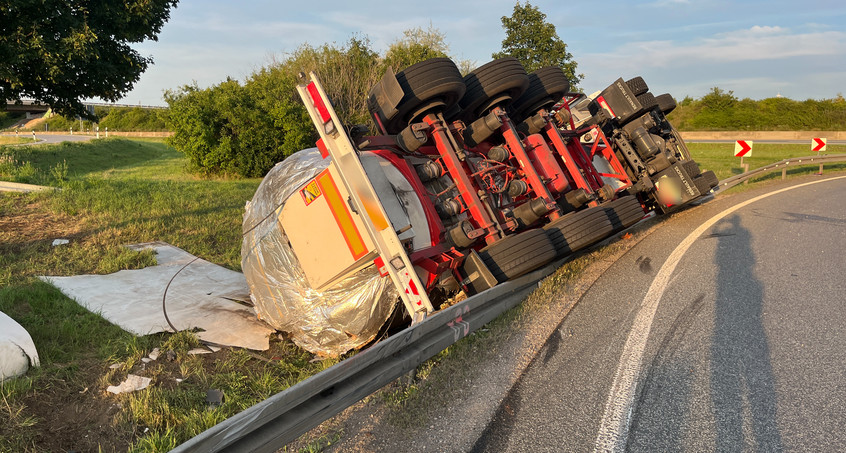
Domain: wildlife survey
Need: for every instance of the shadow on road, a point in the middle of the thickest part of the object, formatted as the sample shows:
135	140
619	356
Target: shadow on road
742	383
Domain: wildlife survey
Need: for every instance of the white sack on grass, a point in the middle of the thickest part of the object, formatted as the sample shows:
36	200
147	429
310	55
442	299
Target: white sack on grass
17	350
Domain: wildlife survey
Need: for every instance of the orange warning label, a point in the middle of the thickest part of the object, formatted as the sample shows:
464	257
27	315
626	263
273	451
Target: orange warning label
311	192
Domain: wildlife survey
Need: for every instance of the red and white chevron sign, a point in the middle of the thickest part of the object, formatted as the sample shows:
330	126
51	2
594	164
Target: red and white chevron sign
818	144
742	148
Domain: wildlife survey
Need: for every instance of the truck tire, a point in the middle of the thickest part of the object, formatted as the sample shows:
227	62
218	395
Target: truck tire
647	101
623	212
499	81
666	103
637	85
433	80
706	181
578	230
546	87
691	168
518	254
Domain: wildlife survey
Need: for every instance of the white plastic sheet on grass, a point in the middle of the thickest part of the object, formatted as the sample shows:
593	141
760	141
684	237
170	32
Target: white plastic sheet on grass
346	316
199	297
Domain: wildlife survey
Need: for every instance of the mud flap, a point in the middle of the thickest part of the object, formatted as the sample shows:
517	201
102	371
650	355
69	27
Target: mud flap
475	276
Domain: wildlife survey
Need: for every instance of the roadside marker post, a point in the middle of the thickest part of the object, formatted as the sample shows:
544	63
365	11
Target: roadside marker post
819	145
743	148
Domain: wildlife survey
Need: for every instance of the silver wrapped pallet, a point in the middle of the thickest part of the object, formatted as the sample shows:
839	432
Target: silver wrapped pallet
346	315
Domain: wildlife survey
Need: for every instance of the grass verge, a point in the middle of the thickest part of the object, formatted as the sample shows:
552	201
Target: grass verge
115	192
13	140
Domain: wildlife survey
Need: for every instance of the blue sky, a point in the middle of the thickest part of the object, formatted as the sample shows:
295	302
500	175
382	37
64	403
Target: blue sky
757	49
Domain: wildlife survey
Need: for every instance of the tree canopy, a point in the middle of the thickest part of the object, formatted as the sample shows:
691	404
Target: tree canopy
534	41
60	51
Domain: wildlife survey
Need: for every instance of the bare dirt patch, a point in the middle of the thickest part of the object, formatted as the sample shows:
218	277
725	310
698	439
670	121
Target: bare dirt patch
24	221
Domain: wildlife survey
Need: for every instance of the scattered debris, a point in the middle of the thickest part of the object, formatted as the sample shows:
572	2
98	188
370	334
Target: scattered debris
154	354
170	356
197	351
214	397
116	365
146	359
131	384
60	242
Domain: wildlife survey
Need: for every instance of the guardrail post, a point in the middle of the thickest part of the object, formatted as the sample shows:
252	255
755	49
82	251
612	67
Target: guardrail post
784	172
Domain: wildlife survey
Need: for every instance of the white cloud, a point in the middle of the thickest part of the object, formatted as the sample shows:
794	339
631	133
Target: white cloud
755	43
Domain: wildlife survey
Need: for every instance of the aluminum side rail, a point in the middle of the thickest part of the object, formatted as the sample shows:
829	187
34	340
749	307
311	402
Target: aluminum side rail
809	160
334	141
280	419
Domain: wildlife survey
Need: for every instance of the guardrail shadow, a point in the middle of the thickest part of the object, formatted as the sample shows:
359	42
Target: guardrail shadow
743	392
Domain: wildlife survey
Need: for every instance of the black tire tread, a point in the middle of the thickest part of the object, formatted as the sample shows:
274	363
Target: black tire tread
691	168
666	103
504	75
647	101
578	230
706	181
624	212
546	87
436	78
637	85
516	255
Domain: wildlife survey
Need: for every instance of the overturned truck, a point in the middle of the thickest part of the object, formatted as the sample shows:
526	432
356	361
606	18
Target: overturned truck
470	182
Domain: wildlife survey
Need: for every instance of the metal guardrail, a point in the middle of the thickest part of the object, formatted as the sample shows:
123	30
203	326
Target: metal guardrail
280	419
809	160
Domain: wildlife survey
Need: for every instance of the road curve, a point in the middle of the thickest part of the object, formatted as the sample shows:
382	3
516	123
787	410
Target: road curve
731	341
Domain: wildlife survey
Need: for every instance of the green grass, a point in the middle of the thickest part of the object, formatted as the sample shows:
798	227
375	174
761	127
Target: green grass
116	192
719	158
13	140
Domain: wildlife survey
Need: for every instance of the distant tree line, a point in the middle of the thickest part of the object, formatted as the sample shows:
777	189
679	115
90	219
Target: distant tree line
125	119
722	110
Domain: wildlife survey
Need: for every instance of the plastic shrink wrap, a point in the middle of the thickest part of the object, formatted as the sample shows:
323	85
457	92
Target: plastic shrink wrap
345	316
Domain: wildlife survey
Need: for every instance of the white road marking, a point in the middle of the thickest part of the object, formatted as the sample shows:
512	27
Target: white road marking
614	429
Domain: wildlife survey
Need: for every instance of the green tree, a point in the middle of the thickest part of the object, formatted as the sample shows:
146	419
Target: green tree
245	129
60	51
415	46
534	41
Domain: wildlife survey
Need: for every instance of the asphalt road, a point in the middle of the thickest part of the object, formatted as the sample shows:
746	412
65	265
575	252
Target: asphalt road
739	347
51	138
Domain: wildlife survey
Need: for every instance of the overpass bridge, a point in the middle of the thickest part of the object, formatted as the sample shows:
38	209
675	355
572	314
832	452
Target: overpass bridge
33	107
26	106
